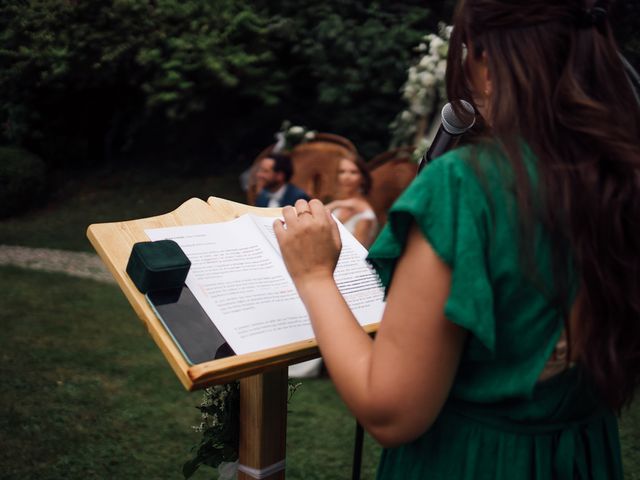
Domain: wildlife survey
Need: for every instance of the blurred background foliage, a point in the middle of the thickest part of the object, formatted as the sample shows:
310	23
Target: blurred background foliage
202	85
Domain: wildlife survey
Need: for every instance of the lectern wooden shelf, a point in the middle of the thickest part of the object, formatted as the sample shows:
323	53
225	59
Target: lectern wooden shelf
262	374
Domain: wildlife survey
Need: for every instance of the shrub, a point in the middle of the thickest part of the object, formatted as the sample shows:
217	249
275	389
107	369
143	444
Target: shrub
22	180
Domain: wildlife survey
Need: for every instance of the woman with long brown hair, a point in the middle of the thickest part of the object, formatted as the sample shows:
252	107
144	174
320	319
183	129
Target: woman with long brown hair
511	334
350	206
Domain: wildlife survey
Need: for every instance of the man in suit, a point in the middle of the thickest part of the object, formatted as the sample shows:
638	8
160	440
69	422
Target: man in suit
274	173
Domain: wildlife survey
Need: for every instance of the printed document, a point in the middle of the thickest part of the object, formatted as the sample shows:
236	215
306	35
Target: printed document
238	276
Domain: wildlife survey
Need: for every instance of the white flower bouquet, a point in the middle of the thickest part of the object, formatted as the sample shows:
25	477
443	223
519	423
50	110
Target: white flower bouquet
424	91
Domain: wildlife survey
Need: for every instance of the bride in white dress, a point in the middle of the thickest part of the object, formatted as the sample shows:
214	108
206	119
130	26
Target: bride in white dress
356	214
351	207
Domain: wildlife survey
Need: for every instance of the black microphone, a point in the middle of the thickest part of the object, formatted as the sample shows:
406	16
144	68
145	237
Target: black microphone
449	132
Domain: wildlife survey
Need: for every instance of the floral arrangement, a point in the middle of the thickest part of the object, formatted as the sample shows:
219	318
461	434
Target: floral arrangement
220	428
424	91
290	136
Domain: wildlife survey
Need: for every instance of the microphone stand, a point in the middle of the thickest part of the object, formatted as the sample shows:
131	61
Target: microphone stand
357	452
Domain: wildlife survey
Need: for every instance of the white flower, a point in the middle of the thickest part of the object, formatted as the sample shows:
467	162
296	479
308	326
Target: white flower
296	130
413	75
406	116
427	79
410	91
436	43
425	62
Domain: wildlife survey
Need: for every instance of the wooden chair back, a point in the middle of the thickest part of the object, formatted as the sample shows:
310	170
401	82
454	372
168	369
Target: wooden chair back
315	165
391	173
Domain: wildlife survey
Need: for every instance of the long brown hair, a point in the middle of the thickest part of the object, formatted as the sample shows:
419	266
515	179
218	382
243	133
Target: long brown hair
560	85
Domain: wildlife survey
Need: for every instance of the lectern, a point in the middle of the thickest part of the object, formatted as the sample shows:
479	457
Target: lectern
262	374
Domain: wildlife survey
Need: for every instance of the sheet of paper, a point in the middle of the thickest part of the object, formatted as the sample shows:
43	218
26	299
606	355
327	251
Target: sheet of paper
356	280
241	283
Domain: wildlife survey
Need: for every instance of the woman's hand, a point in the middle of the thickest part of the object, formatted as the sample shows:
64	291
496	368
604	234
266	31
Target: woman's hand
310	242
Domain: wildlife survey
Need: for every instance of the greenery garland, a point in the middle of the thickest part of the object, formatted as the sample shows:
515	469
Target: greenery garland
220	427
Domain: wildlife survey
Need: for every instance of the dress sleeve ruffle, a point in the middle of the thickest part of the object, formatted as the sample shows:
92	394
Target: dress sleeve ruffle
451	209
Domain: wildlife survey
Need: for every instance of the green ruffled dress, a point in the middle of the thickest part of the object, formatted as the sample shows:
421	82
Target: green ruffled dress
500	422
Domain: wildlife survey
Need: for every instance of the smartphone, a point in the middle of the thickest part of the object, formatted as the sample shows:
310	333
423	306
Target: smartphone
189	325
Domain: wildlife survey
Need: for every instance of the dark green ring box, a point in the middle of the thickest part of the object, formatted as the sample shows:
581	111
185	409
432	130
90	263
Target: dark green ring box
157	265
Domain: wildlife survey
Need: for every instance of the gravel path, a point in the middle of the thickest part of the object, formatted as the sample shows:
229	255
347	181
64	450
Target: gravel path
79	264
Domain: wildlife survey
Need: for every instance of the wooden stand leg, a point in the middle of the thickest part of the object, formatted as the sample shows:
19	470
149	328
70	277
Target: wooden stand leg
263	425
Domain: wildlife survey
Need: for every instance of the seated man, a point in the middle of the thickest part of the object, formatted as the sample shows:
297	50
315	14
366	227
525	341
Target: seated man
274	173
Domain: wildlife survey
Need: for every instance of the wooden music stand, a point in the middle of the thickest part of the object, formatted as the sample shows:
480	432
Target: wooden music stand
262	375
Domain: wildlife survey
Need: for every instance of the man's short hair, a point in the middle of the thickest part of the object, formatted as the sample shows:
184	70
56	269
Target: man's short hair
282	163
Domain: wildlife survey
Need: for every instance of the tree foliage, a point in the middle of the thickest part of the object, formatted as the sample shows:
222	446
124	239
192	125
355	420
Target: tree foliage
81	81
84	82
94	71
346	63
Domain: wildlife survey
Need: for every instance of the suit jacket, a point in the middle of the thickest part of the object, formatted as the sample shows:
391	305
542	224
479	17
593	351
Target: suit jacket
291	194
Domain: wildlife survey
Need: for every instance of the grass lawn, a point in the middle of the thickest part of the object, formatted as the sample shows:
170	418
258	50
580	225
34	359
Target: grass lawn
76	203
87	394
